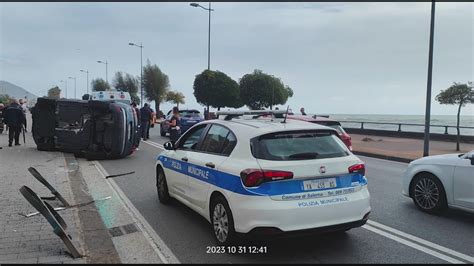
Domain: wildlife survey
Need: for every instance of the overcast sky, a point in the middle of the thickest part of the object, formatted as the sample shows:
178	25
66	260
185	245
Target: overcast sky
361	58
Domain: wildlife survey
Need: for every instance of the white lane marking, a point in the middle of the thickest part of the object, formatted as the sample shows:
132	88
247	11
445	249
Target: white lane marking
422	241
158	145
411	244
158	245
398	239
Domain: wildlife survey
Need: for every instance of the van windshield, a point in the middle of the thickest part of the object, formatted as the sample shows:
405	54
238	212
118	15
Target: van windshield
298	145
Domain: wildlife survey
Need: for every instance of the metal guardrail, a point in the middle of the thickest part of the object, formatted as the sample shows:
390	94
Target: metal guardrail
404	124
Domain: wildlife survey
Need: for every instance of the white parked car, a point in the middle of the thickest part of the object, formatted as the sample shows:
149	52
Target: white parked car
265	176
436	182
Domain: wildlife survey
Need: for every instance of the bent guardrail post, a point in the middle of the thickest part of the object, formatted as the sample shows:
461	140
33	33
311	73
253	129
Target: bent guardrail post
43	181
65	208
54	219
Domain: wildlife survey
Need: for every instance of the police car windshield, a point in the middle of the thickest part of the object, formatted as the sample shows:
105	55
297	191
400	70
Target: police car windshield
298	145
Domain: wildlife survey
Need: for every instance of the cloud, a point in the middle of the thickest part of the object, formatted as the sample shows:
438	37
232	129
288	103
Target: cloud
337	57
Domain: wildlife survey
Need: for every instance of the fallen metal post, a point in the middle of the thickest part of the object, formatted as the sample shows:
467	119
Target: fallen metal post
65	208
54	219
41	179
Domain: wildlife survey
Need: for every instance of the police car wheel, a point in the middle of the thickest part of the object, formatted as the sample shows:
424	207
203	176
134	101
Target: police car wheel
222	221
162	187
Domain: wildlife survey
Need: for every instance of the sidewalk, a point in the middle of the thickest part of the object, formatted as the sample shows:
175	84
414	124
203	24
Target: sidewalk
31	240
104	231
401	149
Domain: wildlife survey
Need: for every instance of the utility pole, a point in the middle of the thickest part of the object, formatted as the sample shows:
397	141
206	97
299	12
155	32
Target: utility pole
426	144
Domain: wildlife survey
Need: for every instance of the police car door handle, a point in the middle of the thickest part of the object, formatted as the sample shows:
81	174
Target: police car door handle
211	165
184	159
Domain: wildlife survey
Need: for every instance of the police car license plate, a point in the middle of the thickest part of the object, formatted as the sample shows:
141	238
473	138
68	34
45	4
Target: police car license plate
319	184
191	121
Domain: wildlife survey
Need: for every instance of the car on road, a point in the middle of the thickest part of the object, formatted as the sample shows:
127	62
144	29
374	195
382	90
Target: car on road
440	181
321	120
93	129
259	176
189	117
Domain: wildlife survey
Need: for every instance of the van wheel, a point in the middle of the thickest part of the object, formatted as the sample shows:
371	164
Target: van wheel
162	187
428	193
222	221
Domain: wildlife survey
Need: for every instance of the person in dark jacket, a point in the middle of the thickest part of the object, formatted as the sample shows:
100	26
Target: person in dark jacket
1	117
145	117
174	123
15	118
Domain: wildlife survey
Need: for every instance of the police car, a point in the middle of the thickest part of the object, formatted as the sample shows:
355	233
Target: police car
264	175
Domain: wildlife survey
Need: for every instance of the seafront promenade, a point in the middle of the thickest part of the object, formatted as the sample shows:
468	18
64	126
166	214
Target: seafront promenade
401	149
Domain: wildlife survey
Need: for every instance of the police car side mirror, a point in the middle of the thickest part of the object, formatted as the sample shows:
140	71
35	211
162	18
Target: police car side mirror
169	146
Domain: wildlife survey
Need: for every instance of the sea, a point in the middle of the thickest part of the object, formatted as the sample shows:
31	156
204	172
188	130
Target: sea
436	121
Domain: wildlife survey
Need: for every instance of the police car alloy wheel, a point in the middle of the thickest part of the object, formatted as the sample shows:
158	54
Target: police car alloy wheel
428	193
222	221
162	187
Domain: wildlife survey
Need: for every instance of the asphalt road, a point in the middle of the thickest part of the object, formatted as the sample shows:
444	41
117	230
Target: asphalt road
189	235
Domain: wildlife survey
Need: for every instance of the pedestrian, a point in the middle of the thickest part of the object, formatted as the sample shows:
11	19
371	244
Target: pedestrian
2	106
152	122
302	111
23	105
15	119
206	114
137	111
174	123
145	116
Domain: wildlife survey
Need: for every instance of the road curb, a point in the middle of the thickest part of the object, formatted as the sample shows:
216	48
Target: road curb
96	237
382	156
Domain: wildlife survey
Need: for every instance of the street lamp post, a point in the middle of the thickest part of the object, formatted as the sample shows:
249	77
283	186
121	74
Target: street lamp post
102	62
141	70
208	39
209	32
426	144
65	81
87	74
74	78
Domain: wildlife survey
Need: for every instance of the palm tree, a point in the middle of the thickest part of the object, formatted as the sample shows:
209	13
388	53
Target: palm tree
175	97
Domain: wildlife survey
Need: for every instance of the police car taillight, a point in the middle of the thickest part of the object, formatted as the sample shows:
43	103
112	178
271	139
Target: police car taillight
357	168
256	177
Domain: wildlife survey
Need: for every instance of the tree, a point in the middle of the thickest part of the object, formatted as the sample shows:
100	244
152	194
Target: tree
100	85
155	84
128	83
175	97
458	94
54	93
5	99
216	89
258	90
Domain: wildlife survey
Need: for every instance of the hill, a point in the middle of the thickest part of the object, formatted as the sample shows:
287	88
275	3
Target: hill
16	92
